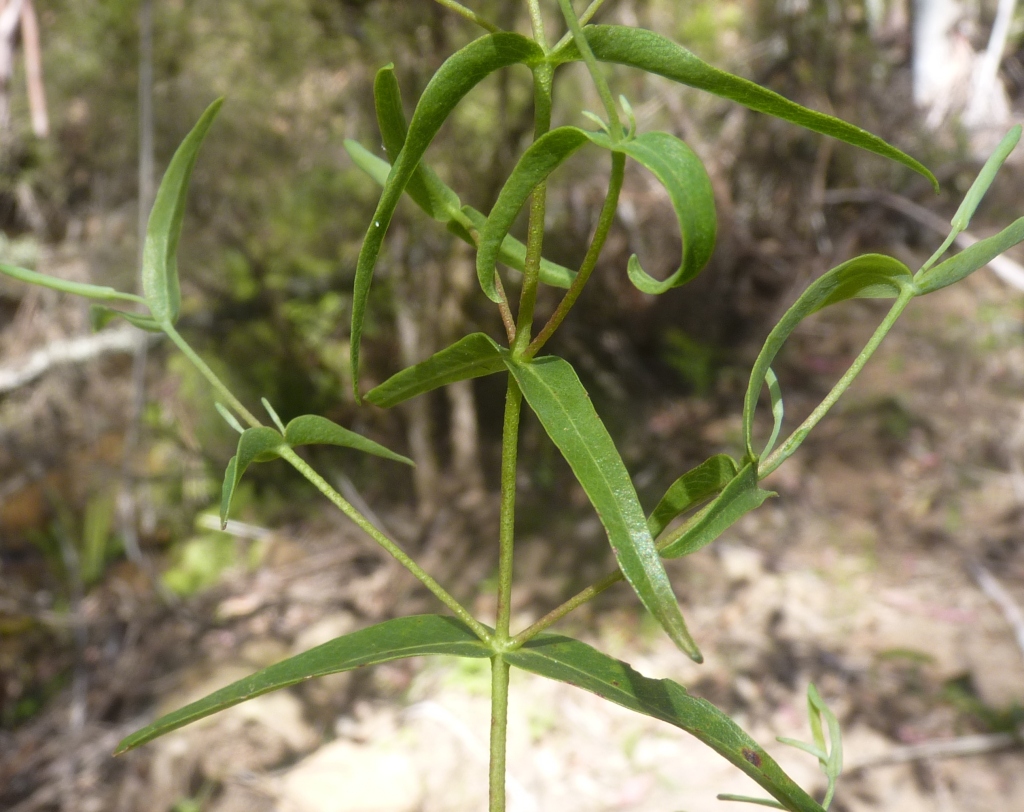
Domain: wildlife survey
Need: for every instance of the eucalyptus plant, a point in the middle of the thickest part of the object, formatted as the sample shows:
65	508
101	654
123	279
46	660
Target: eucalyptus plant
698	507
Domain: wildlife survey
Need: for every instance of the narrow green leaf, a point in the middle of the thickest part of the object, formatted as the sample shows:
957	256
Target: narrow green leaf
653	53
555	394
100	316
258	444
778	409
746	799
970	259
811	749
160	254
690	489
459	74
65	286
567	660
513	252
424	187
668	158
229	418
974	195
392	640
870	276
737	499
311	429
273	415
689	188
470	357
545	155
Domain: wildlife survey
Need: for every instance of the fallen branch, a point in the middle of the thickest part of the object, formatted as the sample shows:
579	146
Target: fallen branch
1006	269
67	351
944	748
1003	599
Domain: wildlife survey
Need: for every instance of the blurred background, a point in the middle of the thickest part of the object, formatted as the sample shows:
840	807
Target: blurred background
890	571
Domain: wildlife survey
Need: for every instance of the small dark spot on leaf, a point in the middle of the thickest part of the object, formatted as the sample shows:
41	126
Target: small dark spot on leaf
615	682
751	756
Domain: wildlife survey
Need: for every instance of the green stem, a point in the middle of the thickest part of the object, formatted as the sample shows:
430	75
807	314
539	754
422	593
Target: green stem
499	731
507	520
469	14
396	552
559	612
783	452
604	224
210	376
585	18
614	125
543	77
537	21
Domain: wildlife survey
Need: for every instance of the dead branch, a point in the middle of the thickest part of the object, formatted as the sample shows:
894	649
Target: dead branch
1003	599
67	351
1006	269
34	70
944	748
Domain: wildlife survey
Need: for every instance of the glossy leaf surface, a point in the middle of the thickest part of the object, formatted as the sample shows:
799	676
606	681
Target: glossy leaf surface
690	489
312	429
459	74
392	640
970	259
469	357
255	445
668	158
557	397
567	660
100	316
654	53
160	253
871	276
738	498
66	286
513	252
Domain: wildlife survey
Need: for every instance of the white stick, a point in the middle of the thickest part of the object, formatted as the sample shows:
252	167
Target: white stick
69	351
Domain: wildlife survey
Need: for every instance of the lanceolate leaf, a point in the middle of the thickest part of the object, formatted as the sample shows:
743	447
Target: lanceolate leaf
459	74
65	286
654	53
871	276
567	660
970	259
555	394
160	254
425	188
100	317
392	640
974	195
690	489
469	357
668	158
513	252
738	498
259	444
312	429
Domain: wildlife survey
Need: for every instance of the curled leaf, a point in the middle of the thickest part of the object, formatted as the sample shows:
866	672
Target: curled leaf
654	53
260	444
100	316
691	489
668	158
870	276
738	498
160	254
459	74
